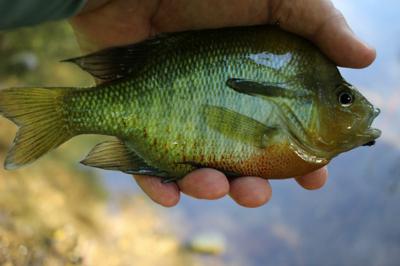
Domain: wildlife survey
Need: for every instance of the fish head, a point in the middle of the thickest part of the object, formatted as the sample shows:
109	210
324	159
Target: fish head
345	119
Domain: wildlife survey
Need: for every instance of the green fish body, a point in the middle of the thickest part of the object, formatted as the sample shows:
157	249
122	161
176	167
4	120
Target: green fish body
252	101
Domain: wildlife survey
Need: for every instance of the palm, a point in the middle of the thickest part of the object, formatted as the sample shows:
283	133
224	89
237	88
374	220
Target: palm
120	22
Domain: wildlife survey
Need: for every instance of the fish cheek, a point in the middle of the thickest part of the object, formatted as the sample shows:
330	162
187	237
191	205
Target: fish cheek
344	128
328	125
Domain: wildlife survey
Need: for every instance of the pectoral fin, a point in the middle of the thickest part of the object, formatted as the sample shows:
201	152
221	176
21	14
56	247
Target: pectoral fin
268	89
238	126
115	155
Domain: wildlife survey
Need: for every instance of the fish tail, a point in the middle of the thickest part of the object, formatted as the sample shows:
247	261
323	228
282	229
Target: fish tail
42	125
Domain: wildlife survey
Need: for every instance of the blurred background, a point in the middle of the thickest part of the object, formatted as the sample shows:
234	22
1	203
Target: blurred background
57	212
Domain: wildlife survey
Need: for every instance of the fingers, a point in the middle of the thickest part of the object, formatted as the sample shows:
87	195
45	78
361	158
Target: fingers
339	43
208	184
211	184
205	184
202	184
322	23
314	180
166	195
250	192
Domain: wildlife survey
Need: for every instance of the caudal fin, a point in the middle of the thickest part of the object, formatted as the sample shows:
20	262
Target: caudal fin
42	126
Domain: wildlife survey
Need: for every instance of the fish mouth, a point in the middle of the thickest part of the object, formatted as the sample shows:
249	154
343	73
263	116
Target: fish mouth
368	138
375	114
371	143
371	134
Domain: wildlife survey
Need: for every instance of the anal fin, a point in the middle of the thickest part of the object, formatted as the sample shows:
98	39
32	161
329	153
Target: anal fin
115	155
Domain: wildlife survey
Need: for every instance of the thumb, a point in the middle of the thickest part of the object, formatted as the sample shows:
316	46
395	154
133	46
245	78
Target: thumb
322	23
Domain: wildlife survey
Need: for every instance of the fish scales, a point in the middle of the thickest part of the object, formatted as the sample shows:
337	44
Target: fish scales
242	100
179	137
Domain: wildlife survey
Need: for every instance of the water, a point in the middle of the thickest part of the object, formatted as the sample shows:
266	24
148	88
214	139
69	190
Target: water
355	218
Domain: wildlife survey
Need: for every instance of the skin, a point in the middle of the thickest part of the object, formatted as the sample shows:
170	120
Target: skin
135	20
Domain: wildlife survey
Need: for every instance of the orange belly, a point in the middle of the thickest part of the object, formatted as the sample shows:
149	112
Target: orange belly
275	162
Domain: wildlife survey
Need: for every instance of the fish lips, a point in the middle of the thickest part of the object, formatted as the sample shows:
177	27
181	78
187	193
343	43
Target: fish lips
372	133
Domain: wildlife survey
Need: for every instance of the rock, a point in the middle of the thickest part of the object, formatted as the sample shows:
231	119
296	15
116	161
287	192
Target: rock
207	243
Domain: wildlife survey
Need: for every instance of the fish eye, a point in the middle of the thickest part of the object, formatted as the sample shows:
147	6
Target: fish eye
345	98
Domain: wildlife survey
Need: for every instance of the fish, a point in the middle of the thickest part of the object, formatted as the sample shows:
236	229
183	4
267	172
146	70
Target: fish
248	101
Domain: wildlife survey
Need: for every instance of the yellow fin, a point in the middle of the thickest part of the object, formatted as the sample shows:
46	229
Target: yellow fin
239	126
42	127
115	155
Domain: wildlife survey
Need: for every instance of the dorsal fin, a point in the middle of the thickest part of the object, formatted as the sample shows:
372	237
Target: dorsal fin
118	62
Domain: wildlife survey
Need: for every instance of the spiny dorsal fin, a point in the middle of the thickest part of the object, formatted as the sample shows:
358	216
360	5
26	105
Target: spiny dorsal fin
115	155
118	62
238	126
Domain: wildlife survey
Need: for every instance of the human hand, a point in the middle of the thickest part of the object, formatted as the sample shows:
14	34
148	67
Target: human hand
105	23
